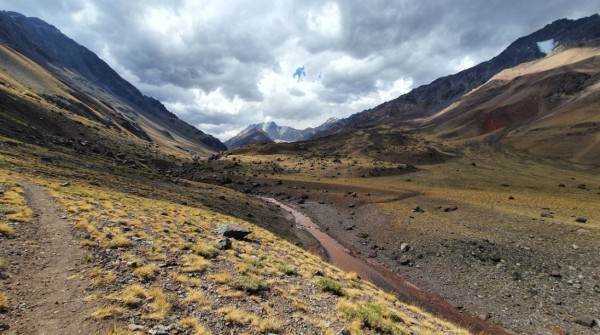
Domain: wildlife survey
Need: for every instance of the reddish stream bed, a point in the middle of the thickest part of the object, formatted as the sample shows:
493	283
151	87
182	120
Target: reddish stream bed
387	280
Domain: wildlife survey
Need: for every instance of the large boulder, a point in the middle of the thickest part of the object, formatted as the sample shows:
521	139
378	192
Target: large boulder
233	230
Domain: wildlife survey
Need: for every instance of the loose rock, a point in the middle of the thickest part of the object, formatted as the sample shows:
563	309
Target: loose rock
233	231
585	321
223	243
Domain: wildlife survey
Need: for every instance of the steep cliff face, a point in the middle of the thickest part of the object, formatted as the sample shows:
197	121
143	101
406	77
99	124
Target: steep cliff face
428	99
84	71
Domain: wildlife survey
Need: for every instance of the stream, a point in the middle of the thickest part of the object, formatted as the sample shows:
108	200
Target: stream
387	280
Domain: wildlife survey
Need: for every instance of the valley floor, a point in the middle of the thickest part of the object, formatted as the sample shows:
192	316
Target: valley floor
500	234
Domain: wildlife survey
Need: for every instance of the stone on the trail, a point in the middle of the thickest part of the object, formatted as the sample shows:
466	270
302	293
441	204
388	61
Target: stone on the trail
555	274
351	206
450	209
511	198
547	215
418	210
233	230
495	257
404	247
581	186
585	321
134	327
404	260
362	235
349	227
223	243
343	331
65	184
581	220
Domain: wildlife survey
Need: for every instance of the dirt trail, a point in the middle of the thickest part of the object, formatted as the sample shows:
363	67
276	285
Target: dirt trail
47	279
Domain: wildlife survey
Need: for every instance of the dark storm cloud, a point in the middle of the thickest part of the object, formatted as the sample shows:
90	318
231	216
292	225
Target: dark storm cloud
175	49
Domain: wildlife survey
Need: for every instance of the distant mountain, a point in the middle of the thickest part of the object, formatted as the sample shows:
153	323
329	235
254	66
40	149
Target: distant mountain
87	84
275	133
250	137
427	100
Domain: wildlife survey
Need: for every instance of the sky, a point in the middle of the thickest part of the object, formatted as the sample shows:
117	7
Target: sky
222	65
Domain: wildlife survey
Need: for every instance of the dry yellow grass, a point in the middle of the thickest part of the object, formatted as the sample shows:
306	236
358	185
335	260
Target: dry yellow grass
280	271
193	263
3	301
160	307
6	230
107	312
147	272
195	297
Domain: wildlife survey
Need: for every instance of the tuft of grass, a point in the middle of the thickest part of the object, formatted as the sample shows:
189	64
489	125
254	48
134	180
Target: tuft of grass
220	278
6	230
160	306
204	249
107	312
106	279
185	279
132	295
269	325
331	285
287	270
3	301
373	316
118	241
195	297
238	316
193	323
247	284
193	263
147	272
14	204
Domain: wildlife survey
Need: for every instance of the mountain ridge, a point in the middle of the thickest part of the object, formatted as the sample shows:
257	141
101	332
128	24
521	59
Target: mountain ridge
428	99
83	70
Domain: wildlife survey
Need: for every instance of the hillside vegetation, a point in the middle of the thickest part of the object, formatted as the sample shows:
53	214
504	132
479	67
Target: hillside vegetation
151	262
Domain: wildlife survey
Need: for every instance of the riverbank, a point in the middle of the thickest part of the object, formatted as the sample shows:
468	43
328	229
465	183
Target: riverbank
346	260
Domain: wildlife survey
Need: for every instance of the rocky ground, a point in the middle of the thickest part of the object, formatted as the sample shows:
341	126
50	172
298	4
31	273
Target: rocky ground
508	237
532	275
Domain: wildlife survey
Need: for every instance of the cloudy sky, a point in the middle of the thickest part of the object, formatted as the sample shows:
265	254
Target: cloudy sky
222	65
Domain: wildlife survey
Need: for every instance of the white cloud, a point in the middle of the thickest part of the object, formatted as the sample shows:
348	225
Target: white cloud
222	65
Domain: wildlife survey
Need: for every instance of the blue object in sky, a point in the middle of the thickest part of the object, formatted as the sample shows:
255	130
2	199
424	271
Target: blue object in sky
299	73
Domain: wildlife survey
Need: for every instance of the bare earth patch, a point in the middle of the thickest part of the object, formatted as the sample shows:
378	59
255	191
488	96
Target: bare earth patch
45	267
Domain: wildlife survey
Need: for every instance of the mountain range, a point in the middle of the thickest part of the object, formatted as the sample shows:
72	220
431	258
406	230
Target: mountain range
465	197
429	99
271	132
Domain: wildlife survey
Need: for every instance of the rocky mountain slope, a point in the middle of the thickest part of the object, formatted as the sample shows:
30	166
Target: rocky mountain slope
275	133
427	100
248	136
42	62
549	107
